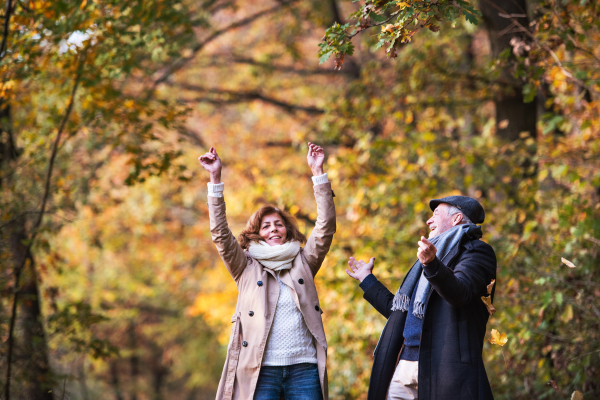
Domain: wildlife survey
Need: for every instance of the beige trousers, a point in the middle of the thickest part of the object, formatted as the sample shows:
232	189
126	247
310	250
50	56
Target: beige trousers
404	381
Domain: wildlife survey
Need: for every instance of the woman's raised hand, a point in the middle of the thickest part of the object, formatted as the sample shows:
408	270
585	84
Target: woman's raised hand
212	163
315	158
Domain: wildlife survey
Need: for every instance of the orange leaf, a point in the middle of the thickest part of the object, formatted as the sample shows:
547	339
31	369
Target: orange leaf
487	300
497	338
553	384
490	286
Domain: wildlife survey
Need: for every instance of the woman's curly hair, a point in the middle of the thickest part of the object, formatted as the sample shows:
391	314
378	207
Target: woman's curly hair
251	231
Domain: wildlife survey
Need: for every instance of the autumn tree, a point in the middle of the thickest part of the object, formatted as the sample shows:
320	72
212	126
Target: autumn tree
106	106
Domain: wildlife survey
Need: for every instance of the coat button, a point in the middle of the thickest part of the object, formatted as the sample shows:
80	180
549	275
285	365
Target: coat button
301	281
245	344
259	283
317	308
251	313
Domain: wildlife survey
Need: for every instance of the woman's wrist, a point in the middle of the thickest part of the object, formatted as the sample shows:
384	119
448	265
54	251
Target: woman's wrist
317	171
215	177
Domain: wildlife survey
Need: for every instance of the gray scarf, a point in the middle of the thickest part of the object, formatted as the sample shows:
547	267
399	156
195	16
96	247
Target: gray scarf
444	243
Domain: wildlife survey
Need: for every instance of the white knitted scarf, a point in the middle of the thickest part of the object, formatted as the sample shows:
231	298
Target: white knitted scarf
275	257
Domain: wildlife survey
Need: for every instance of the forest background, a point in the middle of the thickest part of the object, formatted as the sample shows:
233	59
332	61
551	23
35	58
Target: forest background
110	286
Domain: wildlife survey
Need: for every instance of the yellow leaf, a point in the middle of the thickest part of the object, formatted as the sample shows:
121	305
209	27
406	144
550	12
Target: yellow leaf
294	209
419	207
567	262
428	136
497	338
387	28
567	315
577	395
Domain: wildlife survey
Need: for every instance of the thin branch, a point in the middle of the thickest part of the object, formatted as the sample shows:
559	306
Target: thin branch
194	136
545	47
17	218
233	97
181	62
583	355
37	224
7	13
274	67
512	15
377	24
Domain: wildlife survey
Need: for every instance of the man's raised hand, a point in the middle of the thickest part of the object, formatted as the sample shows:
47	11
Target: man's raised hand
360	269
212	163
426	252
315	158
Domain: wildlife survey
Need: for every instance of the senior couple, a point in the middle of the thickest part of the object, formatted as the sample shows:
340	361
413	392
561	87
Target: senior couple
431	346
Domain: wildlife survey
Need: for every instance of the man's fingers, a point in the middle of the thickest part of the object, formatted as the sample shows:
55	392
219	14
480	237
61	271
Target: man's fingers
350	274
352	266
355	265
422	245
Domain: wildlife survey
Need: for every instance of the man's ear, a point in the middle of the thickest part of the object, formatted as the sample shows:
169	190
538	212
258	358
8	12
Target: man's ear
457	219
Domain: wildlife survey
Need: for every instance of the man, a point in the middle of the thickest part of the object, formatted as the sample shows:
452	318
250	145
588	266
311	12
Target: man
430	348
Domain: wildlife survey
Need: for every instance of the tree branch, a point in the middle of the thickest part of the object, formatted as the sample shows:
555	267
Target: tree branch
181	62
545	47
274	67
234	97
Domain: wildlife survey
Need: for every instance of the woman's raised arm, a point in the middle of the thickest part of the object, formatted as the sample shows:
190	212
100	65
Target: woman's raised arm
317	245
229	249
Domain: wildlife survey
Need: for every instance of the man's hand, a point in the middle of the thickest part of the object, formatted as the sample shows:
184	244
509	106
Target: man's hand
360	269
315	158
212	163
426	252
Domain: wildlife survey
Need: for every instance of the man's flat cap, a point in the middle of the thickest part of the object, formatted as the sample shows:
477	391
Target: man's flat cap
469	206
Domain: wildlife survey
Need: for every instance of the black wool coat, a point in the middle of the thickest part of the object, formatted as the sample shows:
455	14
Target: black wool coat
454	326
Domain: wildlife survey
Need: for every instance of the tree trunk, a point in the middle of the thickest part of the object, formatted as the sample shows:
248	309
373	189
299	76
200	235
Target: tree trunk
133	360
114	380
36	380
38	384
510	107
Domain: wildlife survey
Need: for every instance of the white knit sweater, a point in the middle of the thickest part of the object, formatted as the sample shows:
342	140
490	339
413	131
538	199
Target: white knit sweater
289	342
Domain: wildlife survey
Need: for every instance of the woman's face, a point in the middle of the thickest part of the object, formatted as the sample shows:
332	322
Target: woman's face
272	229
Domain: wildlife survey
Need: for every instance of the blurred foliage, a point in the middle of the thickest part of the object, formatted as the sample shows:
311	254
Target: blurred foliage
135	301
407	17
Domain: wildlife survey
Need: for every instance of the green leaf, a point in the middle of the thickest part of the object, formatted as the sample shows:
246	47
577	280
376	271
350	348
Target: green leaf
471	18
378	17
325	56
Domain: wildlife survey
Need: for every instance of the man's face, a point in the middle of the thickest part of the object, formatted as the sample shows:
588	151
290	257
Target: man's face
440	222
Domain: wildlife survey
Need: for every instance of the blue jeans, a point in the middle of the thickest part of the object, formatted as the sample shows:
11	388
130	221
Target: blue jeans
291	382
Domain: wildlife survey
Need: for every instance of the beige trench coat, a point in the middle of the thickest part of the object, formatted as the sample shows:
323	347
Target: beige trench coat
259	292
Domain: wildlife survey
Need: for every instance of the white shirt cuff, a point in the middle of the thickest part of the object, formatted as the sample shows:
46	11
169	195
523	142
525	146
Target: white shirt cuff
319	180
215	190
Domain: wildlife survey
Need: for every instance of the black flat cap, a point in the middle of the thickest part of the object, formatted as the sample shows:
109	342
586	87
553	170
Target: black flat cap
469	206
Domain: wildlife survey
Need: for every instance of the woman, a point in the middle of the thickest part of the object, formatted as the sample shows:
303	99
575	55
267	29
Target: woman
277	345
